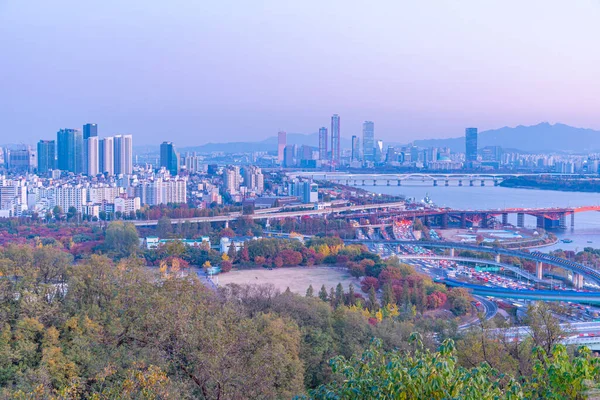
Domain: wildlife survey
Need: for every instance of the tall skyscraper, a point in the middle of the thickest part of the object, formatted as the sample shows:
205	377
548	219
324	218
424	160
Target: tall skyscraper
93	164
70	150
335	139
169	158
471	144
322	143
123	154
355	148
289	156
89	130
281	143
46	156
369	141
378	150
106	156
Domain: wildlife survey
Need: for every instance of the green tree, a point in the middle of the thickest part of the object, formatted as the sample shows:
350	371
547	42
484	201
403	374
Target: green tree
232	252
57	212
388	295
323	293
121	239
339	295
373	304
350	296
164	228
425	375
309	291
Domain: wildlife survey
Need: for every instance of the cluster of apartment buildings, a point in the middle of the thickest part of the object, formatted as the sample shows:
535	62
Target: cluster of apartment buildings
90	197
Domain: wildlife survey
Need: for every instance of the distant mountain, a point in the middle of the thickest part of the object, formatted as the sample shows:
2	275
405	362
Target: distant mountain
543	137
269	144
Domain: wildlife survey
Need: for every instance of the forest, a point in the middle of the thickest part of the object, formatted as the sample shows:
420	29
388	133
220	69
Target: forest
102	323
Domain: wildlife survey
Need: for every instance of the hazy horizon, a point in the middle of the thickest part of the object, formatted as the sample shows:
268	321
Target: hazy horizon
233	71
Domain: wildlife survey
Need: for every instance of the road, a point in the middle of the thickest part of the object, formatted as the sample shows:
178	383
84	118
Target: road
281	214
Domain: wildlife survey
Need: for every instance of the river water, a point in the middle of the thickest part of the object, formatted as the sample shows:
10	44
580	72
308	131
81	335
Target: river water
587	224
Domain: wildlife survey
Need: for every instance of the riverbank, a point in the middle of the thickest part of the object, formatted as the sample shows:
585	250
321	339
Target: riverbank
583	184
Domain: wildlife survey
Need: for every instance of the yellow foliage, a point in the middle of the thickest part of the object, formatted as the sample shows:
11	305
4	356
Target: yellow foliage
324	250
379	316
206	264
366	313
225	257
163	268
391	311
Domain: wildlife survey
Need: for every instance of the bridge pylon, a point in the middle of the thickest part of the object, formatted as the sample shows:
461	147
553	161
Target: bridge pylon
539	269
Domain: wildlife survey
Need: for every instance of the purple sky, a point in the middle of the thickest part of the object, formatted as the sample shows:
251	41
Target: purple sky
206	71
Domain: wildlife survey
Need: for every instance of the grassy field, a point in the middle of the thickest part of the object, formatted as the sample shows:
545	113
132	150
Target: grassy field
297	278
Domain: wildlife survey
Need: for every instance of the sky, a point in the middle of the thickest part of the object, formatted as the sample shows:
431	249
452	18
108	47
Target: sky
219	70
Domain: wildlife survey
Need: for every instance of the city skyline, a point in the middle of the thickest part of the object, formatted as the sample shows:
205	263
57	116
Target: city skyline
428	75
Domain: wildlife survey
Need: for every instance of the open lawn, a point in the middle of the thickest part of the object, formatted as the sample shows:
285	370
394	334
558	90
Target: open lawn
296	278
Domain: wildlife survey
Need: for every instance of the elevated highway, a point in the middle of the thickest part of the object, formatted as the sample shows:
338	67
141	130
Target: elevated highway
531	295
580	271
512	268
276	215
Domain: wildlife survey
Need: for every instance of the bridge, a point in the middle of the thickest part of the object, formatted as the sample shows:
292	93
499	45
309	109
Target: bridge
547	217
436	178
579	271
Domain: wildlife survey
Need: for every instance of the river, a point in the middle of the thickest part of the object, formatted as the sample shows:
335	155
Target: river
587	224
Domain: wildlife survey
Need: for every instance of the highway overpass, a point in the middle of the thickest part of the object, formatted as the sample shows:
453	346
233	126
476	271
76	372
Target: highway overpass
512	268
531	295
275	215
579	270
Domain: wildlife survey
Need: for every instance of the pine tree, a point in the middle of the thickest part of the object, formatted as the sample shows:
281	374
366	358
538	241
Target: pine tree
388	295
339	295
331	297
232	253
287	291
350	297
373	305
405	294
323	293
309	291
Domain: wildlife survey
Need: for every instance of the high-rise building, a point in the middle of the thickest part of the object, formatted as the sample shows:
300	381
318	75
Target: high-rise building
281	143
355	148
93	165
46	156
21	159
123	154
232	178
289	156
378	150
106	156
254	179
369	141
89	130
322	143
335	139
169	158
70	150
471	144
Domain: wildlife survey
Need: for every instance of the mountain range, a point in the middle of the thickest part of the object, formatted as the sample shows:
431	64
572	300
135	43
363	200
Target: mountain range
543	137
